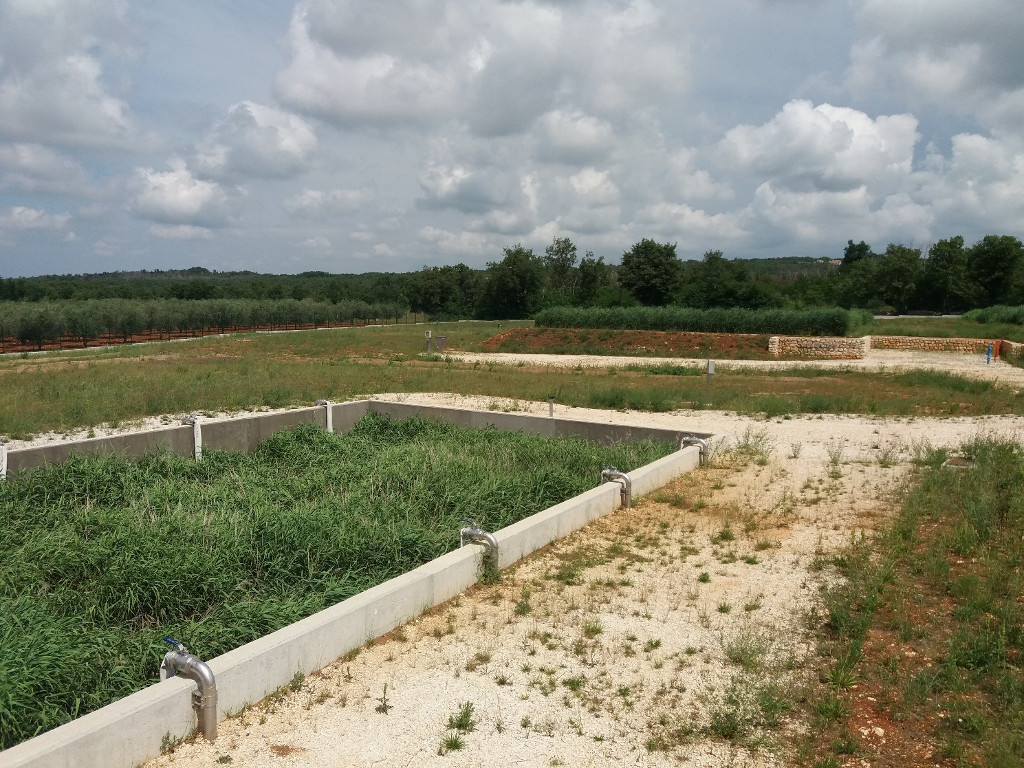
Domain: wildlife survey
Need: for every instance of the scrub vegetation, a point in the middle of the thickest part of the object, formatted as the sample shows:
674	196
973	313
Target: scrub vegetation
925	630
105	556
821	321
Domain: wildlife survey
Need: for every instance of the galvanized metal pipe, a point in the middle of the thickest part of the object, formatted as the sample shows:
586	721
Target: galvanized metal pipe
700	443
181	663
611	474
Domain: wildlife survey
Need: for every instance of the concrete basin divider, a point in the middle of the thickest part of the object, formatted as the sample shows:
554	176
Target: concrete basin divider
136	728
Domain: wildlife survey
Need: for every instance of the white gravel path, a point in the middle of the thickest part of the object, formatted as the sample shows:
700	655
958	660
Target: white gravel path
596	668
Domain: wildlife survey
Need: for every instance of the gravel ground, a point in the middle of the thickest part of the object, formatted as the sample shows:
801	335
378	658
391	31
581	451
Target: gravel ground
611	646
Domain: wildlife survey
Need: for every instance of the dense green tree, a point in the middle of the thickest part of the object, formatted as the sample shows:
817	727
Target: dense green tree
594	276
994	263
650	271
946	285
857	285
559	260
718	282
898	271
513	285
853	253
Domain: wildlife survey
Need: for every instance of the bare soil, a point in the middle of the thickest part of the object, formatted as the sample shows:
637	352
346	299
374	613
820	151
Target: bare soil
633	640
639	343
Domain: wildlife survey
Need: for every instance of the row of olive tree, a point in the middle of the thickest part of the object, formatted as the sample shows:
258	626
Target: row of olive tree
46	322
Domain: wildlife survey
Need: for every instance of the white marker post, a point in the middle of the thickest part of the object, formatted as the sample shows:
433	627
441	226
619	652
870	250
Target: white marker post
707	378
3	459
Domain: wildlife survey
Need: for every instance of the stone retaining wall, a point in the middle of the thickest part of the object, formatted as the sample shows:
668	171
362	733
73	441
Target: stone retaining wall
832	347
1007	348
926	344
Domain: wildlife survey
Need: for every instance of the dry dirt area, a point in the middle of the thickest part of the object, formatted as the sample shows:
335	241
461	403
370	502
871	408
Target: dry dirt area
642	639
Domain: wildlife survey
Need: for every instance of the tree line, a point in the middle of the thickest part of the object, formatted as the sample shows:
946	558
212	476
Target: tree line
950	277
78	323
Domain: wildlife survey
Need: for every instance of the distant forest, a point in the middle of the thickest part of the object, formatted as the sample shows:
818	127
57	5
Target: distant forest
950	277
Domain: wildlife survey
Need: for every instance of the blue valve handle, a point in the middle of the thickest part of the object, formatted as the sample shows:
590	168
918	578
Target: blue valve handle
176	644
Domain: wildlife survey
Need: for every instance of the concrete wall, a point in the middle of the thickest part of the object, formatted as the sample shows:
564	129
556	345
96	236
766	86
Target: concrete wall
244	434
131	731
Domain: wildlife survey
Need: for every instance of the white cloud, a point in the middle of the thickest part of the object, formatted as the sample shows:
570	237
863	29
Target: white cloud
177	197
36	168
21	218
495	66
180	232
319	205
573	137
962	57
824	148
256	141
52	86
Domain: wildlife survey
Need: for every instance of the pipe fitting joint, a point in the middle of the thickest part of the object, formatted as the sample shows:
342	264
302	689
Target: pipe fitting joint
181	663
611	474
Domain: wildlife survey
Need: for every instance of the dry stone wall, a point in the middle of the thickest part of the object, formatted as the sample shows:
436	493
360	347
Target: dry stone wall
926	344
831	347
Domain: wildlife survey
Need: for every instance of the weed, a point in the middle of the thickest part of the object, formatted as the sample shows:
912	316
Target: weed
704	577
383	705
522	606
453	742
462	721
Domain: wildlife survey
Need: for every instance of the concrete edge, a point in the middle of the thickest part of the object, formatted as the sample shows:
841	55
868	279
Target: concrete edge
134	729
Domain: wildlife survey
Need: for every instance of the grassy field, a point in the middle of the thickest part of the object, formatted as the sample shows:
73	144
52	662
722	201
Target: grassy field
69	391
940	327
104	556
925	632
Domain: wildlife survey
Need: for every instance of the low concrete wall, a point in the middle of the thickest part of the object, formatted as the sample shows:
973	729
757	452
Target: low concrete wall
132	730
1010	349
244	434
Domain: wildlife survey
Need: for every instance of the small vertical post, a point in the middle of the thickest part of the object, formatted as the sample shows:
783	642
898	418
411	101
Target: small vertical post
330	413
197	435
988	357
428	342
707	377
3	459
551	407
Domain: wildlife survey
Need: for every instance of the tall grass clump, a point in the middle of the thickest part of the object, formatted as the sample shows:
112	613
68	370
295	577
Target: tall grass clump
791	322
997	314
104	556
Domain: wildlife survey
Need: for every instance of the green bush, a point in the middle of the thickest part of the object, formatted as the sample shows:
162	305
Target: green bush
789	322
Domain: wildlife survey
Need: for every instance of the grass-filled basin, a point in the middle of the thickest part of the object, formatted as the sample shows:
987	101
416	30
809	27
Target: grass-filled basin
103	556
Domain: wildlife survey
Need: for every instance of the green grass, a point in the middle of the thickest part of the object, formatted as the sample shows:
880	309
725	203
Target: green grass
69	391
941	327
105	556
928	623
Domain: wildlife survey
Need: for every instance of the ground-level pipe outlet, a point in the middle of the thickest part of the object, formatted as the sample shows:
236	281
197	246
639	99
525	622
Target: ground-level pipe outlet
688	440
474	534
197	435
611	474
181	663
330	413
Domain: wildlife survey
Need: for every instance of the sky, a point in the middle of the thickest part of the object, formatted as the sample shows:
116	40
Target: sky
361	136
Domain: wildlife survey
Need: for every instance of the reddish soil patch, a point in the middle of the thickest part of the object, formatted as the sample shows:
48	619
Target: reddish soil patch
641	343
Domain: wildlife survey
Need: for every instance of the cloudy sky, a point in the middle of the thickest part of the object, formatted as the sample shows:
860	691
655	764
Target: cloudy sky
371	135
